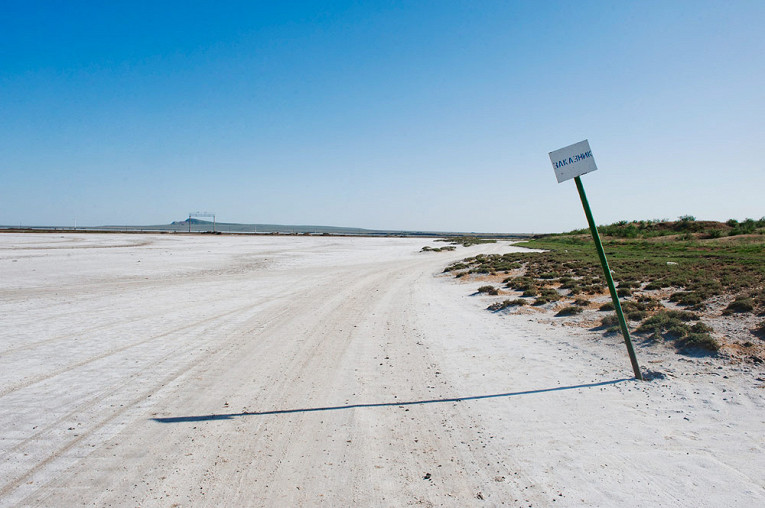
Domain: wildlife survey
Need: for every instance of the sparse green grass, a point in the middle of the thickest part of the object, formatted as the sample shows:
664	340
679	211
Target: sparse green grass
696	269
687	262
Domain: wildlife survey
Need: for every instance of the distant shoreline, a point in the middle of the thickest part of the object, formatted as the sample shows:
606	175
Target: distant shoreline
224	232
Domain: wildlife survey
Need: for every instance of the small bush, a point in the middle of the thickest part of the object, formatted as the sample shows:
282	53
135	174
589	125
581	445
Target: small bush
494	307
455	267
531	292
606	306
673	325
505	304
662	323
624	292
701	328
740	305
699	340
632	306
637	315
676	329
648	303
758	298
682	315
491	290
610	323
715	233
592	289
438	249
687	298
582	302
522	284
546	296
570	310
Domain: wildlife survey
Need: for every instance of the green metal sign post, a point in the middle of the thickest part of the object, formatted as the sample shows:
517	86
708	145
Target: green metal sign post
609	279
572	162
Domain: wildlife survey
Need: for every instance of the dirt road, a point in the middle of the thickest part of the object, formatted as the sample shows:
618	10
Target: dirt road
221	371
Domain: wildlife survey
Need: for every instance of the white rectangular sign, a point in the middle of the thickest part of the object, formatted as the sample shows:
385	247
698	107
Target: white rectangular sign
573	160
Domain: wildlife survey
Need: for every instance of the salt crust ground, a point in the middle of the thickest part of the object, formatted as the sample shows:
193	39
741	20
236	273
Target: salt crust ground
292	371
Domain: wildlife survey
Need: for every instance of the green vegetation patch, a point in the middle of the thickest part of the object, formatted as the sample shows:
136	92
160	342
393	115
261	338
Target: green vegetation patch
486	264
674	326
687	262
686	225
694	269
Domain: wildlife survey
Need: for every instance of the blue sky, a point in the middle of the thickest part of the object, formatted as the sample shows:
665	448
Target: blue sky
427	115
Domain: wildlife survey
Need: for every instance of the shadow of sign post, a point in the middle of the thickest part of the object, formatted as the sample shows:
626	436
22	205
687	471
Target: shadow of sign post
574	161
398	403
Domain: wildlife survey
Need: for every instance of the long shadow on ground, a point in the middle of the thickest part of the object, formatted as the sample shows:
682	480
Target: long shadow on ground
228	416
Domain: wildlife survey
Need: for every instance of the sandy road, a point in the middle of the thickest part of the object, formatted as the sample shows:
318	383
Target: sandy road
144	386
164	371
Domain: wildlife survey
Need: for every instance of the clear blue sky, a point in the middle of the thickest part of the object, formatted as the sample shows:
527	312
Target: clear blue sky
429	115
